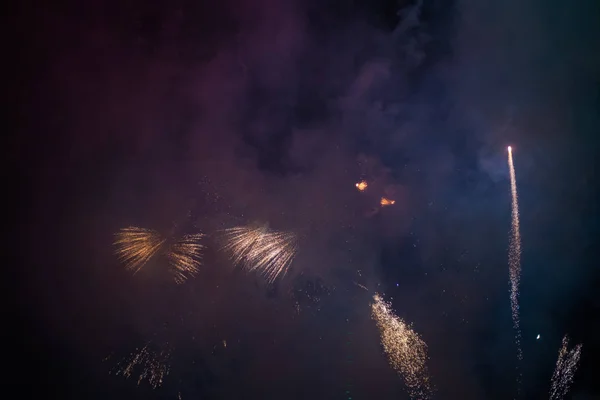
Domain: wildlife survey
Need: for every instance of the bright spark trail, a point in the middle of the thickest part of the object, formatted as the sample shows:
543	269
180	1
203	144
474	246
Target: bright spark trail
406	351
514	261
566	365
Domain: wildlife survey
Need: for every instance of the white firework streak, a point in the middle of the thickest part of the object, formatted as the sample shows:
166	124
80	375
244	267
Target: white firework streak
514	256
566	366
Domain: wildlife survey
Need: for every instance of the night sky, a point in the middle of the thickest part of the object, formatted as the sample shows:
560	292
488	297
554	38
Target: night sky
189	116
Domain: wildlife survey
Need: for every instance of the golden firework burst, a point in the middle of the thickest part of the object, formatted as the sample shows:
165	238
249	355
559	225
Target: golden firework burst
135	246
256	248
406	351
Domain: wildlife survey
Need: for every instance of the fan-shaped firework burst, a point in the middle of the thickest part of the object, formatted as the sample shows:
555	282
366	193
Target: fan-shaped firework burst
406	351
257	248
152	366
135	246
184	257
566	365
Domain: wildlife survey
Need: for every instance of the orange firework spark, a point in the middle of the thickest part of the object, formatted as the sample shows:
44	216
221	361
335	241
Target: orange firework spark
566	365
386	202
406	351
257	248
135	246
362	185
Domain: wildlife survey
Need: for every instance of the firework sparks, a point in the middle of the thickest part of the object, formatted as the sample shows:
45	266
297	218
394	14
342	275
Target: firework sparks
406	351
514	255
257	248
386	202
153	366
566	366
135	246
184	257
362	185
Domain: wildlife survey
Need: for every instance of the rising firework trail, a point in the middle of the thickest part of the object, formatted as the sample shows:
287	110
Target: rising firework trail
566	365
406	351
256	248
514	261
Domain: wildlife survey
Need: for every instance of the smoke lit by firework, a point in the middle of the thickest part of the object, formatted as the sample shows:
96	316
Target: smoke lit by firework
406	351
257	248
386	202
514	255
566	365
135	246
361	186
152	366
184	257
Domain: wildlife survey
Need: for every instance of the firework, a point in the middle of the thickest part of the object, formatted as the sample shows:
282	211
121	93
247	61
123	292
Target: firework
257	248
153	366
386	202
362	185
566	365
184	257
406	351
135	246
514	255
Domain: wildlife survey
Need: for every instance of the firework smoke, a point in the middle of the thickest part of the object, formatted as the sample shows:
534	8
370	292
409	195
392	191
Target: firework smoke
406	351
135	246
514	256
566	365
257	248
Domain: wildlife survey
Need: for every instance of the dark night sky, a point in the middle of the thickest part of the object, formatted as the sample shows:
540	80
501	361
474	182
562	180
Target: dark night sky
203	116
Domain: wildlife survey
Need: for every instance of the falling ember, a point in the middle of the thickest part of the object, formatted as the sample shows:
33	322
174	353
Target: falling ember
257	248
566	366
406	351
184	257
386	202
153	366
135	246
362	185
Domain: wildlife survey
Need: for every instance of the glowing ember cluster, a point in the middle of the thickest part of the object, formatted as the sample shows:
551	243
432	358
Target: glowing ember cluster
362	186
